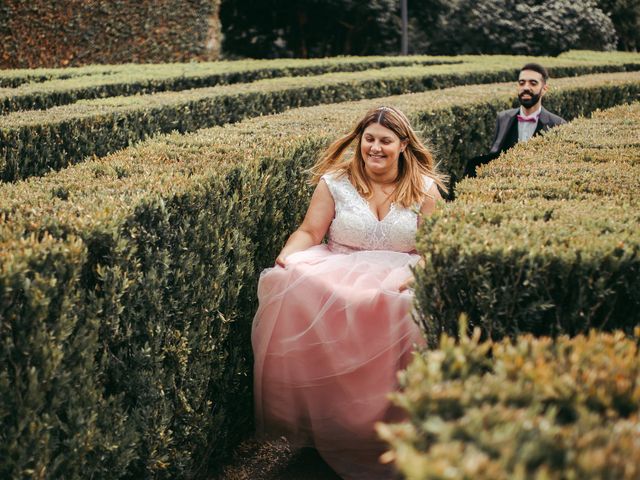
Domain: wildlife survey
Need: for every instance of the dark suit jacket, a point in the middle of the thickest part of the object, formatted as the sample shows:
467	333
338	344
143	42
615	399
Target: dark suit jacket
506	135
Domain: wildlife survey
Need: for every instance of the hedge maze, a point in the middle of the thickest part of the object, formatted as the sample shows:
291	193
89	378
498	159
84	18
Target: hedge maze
131	249
545	241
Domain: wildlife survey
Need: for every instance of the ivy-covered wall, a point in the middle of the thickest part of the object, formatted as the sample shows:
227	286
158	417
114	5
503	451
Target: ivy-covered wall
42	33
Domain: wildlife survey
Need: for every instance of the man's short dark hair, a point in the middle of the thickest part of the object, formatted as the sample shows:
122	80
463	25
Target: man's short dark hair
536	67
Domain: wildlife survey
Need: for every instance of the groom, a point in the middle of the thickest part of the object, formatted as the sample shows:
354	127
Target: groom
520	124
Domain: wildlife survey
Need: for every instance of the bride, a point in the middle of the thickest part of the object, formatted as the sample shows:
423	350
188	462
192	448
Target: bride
334	321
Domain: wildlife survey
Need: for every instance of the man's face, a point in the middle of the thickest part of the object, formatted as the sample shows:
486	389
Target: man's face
531	88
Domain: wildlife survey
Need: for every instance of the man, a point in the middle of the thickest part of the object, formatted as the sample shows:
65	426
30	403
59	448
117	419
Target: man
520	124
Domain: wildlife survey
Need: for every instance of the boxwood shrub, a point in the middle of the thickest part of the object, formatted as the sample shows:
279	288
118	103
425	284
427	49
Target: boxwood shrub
88	83
546	240
35	141
149	260
528	408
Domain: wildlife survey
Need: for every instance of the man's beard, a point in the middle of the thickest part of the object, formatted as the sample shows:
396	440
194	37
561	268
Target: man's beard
530	102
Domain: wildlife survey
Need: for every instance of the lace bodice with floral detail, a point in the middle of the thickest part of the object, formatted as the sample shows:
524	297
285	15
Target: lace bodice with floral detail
355	226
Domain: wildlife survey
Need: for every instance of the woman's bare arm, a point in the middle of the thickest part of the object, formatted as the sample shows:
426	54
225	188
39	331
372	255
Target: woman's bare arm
314	226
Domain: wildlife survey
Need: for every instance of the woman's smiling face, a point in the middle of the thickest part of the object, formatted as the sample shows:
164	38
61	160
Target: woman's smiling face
380	149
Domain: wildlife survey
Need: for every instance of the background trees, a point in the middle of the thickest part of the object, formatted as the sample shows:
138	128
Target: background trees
312	28
547	27
625	15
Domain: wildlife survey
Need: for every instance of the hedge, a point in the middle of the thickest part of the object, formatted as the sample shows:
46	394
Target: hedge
35	142
51	399
15	77
546	240
89	83
531	408
165	277
40	33
135	80
170	236
100	82
594	56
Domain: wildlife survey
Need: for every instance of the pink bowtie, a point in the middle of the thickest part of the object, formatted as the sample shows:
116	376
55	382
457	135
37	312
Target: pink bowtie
527	119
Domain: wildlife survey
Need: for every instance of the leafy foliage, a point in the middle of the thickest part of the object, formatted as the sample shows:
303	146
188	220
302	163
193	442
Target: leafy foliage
531	408
310	28
545	240
539	28
625	15
51	400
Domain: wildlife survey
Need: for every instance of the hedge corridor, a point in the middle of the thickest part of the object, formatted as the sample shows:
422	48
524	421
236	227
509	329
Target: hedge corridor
38	90
546	240
33	142
528	408
128	282
128	79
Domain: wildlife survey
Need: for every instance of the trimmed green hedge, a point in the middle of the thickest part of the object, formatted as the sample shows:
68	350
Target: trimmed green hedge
159	336
594	56
532	408
176	77
35	142
89	82
170	237
15	77
546	240
56	420
19	76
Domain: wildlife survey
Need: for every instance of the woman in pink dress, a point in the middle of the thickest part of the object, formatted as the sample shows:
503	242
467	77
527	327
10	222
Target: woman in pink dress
334	321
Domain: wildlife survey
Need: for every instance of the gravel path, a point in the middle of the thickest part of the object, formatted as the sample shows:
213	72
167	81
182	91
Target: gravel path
255	460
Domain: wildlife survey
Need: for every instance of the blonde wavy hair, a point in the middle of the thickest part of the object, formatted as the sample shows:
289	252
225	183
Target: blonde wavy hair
415	162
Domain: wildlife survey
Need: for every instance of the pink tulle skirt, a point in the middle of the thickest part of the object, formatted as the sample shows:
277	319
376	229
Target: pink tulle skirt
329	336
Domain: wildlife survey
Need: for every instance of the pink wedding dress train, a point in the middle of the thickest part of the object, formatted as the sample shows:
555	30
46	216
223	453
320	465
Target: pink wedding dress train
331	332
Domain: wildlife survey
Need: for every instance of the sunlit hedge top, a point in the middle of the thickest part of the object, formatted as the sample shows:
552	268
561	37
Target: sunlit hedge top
99	191
533	408
546	239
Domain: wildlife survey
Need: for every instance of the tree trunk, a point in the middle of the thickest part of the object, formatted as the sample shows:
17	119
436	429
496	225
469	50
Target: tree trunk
301	46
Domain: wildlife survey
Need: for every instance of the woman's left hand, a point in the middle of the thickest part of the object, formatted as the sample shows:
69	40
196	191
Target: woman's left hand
407	284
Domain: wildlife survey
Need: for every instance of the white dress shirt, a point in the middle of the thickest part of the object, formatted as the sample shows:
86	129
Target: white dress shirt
527	129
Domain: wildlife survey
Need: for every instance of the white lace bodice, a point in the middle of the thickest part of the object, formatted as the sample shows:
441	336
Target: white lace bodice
355	226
